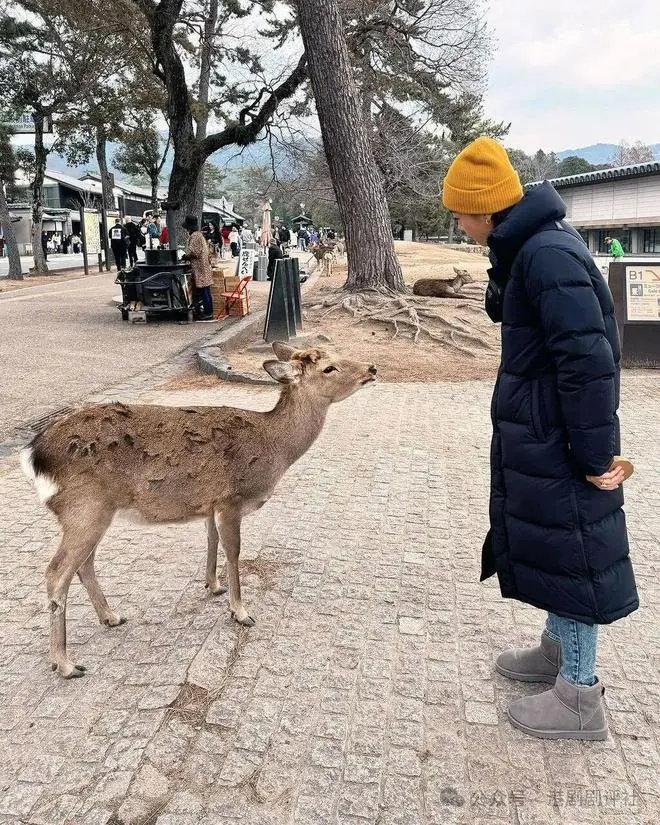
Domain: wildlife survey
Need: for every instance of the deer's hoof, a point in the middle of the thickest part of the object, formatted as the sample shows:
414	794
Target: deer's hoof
114	620
245	621
67	670
216	589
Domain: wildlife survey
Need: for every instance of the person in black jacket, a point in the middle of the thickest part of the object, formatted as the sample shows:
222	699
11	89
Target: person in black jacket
118	236
274	255
133	237
558	532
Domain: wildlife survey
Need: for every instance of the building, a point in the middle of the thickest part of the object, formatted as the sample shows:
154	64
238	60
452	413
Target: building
622	203
64	194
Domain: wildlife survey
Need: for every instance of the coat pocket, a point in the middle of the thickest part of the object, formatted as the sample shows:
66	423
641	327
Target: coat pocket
537	411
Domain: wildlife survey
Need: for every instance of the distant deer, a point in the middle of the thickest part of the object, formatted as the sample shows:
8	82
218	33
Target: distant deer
172	464
443	288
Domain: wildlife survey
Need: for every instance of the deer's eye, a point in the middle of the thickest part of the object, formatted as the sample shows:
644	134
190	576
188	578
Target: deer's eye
330	369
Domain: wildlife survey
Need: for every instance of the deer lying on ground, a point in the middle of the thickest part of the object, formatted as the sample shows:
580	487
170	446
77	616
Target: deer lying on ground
442	288
171	464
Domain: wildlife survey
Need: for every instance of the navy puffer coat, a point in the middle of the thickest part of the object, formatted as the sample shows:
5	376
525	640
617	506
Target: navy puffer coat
556	541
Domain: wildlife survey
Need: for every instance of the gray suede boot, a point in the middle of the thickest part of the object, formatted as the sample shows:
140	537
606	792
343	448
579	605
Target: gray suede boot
531	664
565	712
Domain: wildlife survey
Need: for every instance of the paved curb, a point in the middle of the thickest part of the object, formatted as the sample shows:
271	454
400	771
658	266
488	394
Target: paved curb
212	360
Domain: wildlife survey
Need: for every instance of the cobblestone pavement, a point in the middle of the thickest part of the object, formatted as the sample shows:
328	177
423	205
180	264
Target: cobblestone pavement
366	694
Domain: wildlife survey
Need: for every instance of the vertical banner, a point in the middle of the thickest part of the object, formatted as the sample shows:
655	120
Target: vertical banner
246	263
92	232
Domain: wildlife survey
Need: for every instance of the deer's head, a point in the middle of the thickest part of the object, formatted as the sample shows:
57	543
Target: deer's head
322	374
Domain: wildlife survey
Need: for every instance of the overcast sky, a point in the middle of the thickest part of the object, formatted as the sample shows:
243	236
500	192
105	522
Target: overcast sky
570	73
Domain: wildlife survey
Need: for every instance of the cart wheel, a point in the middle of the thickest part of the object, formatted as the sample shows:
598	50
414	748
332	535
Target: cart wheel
190	316
124	315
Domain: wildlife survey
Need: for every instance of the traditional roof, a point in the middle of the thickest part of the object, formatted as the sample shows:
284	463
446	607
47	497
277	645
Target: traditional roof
636	170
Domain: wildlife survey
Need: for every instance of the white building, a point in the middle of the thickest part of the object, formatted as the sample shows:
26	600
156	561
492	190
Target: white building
622	203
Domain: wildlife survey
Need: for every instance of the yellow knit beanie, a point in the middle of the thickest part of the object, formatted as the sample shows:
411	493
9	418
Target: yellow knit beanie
481	180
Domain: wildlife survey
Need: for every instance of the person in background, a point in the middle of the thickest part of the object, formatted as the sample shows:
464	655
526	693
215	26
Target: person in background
118	237
164	238
2	247
284	237
615	249
303	238
274	255
557	537
234	242
313	235
44	244
197	252
76	243
132	240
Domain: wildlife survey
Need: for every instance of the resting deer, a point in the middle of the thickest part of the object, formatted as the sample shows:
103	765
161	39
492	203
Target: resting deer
171	464
441	288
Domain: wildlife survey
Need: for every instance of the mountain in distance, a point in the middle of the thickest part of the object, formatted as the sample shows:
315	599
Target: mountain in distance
599	153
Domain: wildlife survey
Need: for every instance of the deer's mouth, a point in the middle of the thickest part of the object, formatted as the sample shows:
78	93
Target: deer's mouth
369	380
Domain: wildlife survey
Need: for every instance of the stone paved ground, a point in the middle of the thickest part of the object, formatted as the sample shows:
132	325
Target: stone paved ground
365	695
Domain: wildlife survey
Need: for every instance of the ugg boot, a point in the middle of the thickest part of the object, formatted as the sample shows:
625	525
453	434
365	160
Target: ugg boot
531	664
565	712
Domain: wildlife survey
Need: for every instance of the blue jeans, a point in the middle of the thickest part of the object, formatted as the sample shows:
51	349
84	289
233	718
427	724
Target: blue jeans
578	648
203	294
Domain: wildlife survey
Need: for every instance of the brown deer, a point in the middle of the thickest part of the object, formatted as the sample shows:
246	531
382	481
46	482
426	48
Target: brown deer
171	464
443	288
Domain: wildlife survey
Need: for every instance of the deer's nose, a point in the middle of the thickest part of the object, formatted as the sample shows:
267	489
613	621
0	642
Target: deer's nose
372	369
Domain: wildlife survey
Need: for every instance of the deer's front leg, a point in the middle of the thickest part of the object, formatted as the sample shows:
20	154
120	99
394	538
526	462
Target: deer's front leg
212	558
230	535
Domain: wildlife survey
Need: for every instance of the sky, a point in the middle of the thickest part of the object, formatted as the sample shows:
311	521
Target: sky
570	73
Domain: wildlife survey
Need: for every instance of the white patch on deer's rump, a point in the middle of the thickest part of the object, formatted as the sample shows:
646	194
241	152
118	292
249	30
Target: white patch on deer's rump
45	486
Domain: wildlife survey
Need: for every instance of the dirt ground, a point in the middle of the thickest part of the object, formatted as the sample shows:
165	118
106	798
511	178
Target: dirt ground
398	358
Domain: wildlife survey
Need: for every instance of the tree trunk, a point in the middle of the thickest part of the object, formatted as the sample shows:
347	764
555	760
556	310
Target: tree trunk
450	231
40	158
358	186
107	196
15	269
155	202
206	58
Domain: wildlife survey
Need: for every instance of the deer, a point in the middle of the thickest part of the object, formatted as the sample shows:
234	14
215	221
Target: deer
441	288
163	464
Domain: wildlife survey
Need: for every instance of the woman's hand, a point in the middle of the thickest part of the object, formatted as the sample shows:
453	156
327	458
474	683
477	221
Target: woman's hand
608	481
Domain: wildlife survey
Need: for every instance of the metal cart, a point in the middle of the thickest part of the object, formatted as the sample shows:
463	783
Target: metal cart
161	286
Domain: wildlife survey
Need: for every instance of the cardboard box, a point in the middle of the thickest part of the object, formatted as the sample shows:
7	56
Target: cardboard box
231	283
239	308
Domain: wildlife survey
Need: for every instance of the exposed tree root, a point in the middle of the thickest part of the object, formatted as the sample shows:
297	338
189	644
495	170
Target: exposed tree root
455	324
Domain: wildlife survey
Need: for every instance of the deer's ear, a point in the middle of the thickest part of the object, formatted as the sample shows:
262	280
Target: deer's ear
283	371
283	351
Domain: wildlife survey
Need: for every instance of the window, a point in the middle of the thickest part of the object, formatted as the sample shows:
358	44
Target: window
652	241
622	235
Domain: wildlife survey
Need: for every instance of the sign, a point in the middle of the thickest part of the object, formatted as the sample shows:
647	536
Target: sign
246	263
24	124
643	293
92	232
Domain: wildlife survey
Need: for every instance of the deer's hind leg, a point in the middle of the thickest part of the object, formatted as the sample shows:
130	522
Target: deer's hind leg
212	582
82	530
87	576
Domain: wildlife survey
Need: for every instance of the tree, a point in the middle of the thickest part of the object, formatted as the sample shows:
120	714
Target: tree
246	109
62	53
142	154
627	154
7	175
573	165
213	180
355	177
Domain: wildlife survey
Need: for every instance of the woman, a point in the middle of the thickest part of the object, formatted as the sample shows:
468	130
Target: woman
558	534
197	252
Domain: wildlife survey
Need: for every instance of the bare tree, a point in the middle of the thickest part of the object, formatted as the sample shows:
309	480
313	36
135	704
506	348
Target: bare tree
627	154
